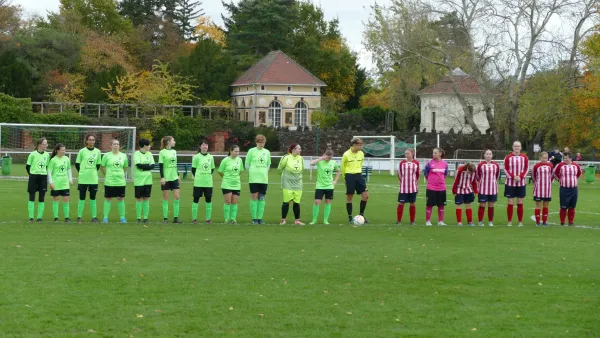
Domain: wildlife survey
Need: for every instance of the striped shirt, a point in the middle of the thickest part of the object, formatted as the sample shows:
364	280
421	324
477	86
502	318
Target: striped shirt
542	180
487	177
516	165
464	182
408	175
567	174
352	162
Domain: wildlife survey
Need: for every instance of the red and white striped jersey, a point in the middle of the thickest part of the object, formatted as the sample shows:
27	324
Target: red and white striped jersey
464	182
408	175
487	177
516	165
567	174
542	180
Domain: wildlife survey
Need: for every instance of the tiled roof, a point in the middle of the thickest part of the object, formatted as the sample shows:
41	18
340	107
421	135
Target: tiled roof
465	84
278	68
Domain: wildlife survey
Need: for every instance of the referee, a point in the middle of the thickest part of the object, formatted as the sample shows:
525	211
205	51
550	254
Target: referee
351	168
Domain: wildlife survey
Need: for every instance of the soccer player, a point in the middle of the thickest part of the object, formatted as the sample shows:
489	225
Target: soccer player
230	170
567	173
37	168
143	162
542	188
60	179
488	173
258	162
352	163
325	184
203	166
408	176
88	164
464	190
114	165
436	171
169	178
516	166
291	167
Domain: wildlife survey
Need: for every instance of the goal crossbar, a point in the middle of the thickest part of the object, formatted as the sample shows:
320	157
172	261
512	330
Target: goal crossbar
392	148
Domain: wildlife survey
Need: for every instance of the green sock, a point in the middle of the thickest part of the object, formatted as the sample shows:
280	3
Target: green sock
138	209
66	209
327	212
80	207
234	209
165	209
30	208
121	207
315	212
55	209
260	209
176	208
146	206
194	211
107	206
94	208
208	211
41	207
254	209
226	211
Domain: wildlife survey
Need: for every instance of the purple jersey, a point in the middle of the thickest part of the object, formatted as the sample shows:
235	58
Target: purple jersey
435	173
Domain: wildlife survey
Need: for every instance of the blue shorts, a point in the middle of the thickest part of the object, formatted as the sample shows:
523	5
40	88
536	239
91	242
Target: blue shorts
464	198
568	197
542	199
407	198
487	198
515	192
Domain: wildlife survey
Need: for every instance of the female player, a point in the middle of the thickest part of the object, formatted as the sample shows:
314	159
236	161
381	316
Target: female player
230	170
408	177
203	166
464	189
325	184
60	179
258	162
516	166
169	177
291	167
568	173
542	188
488	173
436	171
37	168
88	164
114	165
143	162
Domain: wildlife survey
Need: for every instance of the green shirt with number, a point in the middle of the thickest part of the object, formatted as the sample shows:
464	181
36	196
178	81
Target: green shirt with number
142	177
231	169
204	165
59	170
88	160
115	165
258	162
38	163
325	171
168	158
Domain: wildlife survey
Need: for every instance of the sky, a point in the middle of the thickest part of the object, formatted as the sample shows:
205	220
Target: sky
351	14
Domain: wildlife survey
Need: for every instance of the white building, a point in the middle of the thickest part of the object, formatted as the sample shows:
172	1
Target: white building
441	110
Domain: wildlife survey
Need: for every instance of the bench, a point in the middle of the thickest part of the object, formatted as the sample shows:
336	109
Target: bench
182	168
367	171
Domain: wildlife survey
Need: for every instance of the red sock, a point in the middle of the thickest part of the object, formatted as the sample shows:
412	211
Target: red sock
520	212
537	216
571	213
459	215
490	214
563	215
545	215
480	213
509	212
399	212
469	213
413	213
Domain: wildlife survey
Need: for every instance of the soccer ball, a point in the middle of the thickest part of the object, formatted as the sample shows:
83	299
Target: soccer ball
359	220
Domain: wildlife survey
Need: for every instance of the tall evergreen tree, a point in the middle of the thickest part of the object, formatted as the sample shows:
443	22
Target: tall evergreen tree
185	13
139	12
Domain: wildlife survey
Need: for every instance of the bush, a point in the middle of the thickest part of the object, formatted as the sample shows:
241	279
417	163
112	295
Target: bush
13	110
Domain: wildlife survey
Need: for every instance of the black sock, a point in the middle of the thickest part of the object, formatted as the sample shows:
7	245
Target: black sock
296	209
363	205
285	207
349	209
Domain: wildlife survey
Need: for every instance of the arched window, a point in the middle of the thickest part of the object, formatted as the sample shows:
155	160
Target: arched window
275	113
301	114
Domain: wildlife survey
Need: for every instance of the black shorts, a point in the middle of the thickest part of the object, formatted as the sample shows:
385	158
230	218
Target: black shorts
487	198
170	185
355	183
202	191
260	188
542	199
86	187
407	197
568	197
229	191
328	193
515	192
37	183
143	191
435	198
64	192
464	198
112	192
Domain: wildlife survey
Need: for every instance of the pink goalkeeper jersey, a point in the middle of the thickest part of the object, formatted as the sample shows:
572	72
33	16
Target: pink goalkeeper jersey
435	172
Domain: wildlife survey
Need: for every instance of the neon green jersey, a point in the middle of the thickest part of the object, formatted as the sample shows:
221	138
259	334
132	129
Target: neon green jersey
115	165
142	177
88	160
204	165
325	171
258	162
59	169
38	162
291	168
231	169
169	160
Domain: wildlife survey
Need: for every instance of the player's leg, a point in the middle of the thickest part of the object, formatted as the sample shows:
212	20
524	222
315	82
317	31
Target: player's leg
235	196
196	194
361	188
82	188
67	205
469	213
545	213
350	189
441	204
520	210
139	202
430	202
538	210
327	211
121	203
459	202
319	193
296	206
41	199
254	202
491	210
146	201
260	203
107	203
208	192
413	209
482	200
165	202
509	193
93	188
572	205
227	205
55	204
176	202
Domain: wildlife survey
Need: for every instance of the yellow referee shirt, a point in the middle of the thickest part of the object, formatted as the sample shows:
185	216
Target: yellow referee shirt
352	162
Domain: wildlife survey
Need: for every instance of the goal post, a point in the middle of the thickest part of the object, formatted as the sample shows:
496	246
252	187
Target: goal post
392	139
19	139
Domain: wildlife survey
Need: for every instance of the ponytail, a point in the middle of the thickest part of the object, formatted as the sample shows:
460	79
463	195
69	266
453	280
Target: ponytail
39	141
232	148
291	147
56	149
164	141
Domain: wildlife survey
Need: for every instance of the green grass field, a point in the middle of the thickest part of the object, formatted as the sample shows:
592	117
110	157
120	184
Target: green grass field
379	280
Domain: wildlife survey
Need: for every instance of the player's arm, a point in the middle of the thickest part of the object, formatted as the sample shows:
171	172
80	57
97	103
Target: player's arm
459	173
427	170
525	168
474	185
70	173
212	165
343	166
314	162
222	167
126	164
241	166
507	169
557	171
282	164
50	180
268	161
534	171
446	170
338	173
479	171
249	160
78	161
400	171
194	165
29	162
579	172
497	173
103	164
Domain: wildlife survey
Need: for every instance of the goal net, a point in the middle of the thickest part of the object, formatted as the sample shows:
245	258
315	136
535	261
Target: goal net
19	140
386	147
470	154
